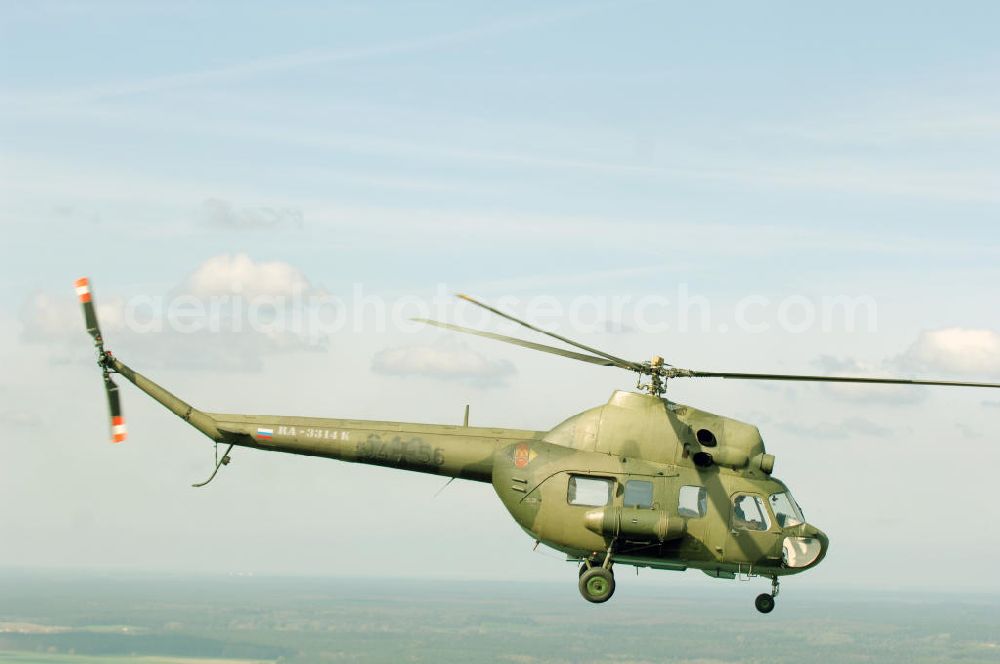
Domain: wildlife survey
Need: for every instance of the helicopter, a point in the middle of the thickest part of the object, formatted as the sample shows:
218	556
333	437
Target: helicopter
638	481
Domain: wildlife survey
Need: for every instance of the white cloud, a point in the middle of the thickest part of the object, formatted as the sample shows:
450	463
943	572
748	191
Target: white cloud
48	318
935	354
846	428
451	362
929	120
862	392
20	419
968	431
954	350
227	315
229	274
219	213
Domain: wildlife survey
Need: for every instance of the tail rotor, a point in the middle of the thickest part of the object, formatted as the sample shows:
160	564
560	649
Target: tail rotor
118	429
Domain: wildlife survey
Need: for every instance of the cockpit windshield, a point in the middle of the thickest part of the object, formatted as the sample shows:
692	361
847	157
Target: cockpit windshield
786	510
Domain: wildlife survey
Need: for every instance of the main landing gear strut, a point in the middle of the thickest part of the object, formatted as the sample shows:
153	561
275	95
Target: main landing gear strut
597	582
764	601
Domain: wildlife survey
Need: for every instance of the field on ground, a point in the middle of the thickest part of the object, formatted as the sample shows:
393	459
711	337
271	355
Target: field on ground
62	618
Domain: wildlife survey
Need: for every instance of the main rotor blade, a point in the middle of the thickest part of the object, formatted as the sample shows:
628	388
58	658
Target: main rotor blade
684	373
521	342
89	314
615	361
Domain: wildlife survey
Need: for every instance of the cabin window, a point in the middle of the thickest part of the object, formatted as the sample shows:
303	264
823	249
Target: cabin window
692	502
639	493
750	513
589	491
786	510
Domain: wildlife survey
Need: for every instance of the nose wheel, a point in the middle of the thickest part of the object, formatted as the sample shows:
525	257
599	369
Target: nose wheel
765	601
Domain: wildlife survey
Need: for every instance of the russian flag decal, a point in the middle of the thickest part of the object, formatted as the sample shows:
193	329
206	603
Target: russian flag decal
265	434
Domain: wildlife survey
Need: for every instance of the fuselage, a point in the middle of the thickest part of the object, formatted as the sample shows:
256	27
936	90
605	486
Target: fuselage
631	475
648	481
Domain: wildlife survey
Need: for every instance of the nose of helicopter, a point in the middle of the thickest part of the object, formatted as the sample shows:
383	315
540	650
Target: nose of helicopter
803	552
824	543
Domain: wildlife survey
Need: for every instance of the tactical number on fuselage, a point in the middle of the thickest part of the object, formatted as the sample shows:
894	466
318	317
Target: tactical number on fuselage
412	452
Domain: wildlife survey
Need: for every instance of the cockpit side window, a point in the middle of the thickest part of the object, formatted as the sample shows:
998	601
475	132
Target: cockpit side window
750	513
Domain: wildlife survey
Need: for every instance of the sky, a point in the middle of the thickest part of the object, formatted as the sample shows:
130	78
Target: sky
761	187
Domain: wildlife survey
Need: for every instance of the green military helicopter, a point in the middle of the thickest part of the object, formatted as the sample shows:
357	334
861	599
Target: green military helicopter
639	481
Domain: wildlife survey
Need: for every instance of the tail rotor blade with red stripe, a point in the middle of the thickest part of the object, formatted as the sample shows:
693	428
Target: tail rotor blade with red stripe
89	313
118	430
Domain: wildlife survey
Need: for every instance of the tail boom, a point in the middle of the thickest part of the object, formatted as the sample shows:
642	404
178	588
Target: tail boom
452	451
440	449
196	418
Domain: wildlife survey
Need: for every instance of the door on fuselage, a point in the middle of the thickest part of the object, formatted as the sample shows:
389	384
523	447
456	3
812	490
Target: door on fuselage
753	534
643	499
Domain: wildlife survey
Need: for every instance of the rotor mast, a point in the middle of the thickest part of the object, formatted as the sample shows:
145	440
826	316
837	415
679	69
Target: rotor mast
657	385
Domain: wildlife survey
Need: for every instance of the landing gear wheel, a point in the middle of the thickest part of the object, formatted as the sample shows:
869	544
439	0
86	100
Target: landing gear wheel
764	603
597	585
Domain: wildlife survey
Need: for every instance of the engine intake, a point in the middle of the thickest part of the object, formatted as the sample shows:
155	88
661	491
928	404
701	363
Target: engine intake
734	459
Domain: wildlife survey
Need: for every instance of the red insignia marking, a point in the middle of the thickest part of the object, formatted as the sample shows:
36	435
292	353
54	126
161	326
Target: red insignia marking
522	455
